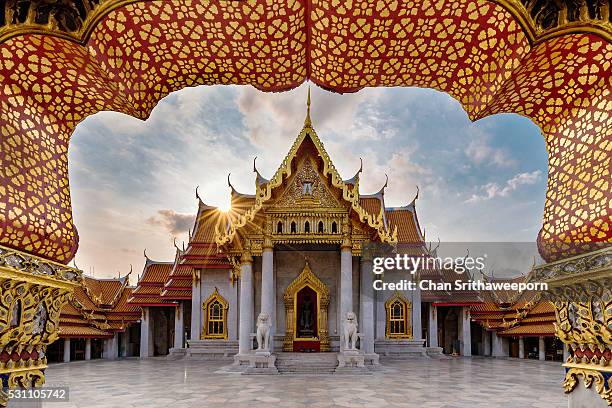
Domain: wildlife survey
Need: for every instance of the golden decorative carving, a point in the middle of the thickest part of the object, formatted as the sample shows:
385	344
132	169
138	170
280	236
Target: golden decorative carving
306	189
32	293
264	191
306	278
215	317
545	19
589	377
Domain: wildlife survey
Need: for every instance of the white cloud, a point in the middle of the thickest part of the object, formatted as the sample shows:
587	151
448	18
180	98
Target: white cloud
480	150
494	190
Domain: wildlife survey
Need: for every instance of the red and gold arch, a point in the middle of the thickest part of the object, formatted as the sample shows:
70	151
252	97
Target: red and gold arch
63	64
61	61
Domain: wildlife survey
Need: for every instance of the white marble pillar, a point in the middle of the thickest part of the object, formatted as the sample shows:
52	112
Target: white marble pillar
88	349
417	326
267	287
500	345
486	342
346	282
433	325
366	307
521	347
541	348
465	332
111	349
246	304
146	334
196	305
125	343
179	325
66	350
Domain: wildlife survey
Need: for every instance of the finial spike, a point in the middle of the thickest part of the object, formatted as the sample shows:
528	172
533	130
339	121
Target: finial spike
307	121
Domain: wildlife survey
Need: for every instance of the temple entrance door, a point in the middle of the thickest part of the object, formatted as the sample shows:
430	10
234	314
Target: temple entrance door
306	313
306	303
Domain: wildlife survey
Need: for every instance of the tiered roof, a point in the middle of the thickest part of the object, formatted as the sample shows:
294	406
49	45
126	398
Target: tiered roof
98	308
151	284
515	314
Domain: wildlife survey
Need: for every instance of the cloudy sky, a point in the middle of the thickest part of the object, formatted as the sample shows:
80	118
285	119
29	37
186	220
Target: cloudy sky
133	182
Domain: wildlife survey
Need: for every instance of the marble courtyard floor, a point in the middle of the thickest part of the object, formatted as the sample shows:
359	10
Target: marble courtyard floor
419	383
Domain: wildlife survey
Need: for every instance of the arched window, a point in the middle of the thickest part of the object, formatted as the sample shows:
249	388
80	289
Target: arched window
293	227
334	228
307	227
320	228
279	227
215	317
398	317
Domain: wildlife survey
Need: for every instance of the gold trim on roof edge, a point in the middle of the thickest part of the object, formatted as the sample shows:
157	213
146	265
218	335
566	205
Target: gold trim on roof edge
264	193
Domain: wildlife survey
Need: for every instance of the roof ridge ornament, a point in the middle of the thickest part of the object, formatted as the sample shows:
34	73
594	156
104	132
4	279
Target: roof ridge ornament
307	120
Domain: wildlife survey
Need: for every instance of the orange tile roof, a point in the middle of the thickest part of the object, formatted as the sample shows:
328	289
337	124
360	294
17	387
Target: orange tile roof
155	272
530	330
403	219
371	204
82	331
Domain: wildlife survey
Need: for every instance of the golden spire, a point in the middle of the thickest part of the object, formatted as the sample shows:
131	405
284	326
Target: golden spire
307	121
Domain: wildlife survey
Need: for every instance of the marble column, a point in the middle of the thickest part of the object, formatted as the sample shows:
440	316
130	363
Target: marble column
346	281
417	326
179	325
433	325
246	304
125	343
111	347
366	312
146	334
521	347
87	349
465	332
541	348
500	345
267	286
66	350
486	341
196	306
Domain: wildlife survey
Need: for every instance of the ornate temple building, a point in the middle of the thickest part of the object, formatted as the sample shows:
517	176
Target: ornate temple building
298	251
97	322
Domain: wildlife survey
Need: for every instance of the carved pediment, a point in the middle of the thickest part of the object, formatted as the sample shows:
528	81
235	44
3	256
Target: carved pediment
307	188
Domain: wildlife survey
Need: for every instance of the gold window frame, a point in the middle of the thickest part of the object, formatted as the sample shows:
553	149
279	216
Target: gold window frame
214	297
407	310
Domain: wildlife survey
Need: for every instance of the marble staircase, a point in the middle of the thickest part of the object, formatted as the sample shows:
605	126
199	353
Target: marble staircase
306	363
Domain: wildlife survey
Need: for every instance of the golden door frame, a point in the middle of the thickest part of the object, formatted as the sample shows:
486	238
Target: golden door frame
306	278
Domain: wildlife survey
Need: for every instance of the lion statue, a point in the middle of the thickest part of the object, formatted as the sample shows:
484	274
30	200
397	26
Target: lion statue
350	331
263	332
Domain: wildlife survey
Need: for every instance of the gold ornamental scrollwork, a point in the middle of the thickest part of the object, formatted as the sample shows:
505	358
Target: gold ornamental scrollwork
264	194
590	377
32	294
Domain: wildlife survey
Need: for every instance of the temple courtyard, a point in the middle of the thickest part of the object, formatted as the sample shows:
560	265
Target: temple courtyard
420	383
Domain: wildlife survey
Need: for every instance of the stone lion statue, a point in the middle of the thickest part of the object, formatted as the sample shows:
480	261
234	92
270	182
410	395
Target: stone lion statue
263	331
350	331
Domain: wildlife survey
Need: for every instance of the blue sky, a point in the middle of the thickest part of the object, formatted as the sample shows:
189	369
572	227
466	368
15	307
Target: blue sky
133	181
